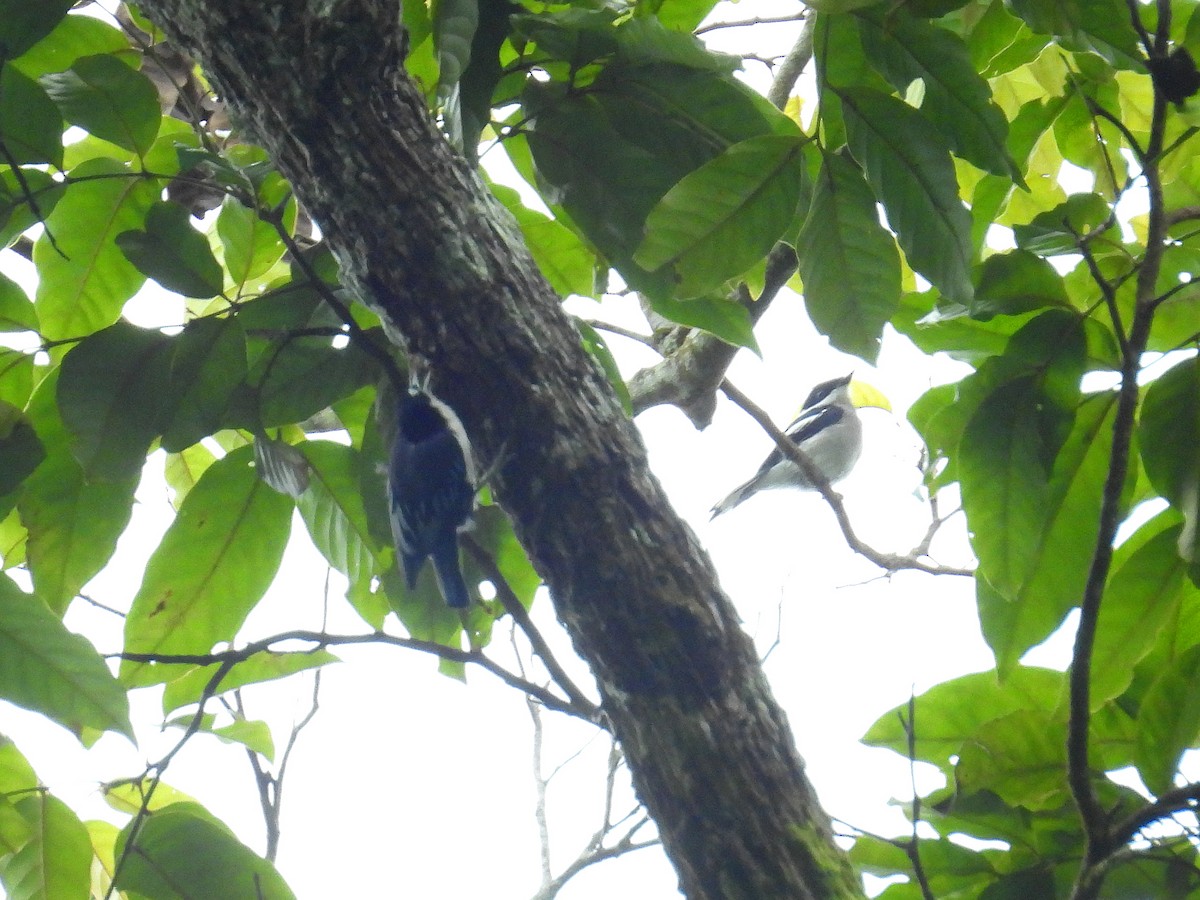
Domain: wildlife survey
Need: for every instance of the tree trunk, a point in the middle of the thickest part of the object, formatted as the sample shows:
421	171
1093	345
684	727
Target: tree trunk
321	86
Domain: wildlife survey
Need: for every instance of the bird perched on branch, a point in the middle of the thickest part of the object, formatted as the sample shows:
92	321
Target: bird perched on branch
430	491
827	431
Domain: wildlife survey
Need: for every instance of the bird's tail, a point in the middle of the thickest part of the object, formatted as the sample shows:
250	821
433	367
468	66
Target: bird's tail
736	496
449	574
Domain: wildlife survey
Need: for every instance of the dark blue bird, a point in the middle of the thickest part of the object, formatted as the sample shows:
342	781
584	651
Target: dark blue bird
430	494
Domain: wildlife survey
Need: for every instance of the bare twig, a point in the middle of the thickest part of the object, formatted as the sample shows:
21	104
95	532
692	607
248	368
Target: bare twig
515	608
320	640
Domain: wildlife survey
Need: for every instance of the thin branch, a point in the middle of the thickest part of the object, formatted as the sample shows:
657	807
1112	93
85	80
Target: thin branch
160	767
643	339
913	845
890	562
322	640
748	23
1169	803
541	784
1099	844
515	608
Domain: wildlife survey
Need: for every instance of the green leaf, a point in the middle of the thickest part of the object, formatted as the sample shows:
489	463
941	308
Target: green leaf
1036	592
454	23
1058	230
1169	721
265	666
1016	282
173	253
595	344
73	523
251	245
25	205
957	99
16	309
208	363
73	37
109	100
1101	26
298	378
30	124
912	175
182	853
611	152
110	393
1141	600
332	508
568	265
21	452
723	217
254	735
85	282
1169	438
57	860
848	261
948	714
1022	757
213	564
23	24
45	668
728	320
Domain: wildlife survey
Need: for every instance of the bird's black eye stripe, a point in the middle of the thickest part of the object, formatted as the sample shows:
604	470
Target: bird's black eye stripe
823	390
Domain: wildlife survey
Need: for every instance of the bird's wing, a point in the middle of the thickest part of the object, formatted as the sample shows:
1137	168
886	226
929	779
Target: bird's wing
805	428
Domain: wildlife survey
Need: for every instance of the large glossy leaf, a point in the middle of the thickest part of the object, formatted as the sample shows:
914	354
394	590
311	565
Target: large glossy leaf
1022	757
182	853
566	262
21	452
1142	598
727	319
25	201
23	24
332	508
73	37
207	365
1035	592
172	252
948	714
108	99
73	523
1169	721
57	860
30	124
1101	26
848	261
87	279
213	564
45	668
111	396
251	245
910	170
722	218
957	99
1016	282
610	153
1169	438
16	309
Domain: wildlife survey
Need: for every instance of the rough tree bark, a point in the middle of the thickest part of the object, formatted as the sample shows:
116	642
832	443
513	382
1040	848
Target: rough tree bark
321	86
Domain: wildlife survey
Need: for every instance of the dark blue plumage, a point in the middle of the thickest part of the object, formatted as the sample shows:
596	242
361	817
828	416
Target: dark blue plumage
430	495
